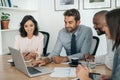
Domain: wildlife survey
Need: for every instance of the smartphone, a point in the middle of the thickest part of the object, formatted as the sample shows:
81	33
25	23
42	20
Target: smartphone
94	76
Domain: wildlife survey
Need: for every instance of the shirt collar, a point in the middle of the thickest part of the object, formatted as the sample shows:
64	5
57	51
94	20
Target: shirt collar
77	31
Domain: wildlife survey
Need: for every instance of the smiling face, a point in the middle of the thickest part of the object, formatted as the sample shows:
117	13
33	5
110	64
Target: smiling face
99	22
70	24
29	27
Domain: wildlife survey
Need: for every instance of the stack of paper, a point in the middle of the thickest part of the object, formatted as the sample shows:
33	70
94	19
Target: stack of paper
64	72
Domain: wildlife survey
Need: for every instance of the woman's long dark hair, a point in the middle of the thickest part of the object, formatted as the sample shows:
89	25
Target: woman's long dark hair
22	31
113	22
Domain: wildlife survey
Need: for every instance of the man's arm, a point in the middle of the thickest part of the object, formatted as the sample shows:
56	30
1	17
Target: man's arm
57	48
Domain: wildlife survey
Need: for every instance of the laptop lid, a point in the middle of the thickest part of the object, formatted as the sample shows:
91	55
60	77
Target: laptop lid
20	64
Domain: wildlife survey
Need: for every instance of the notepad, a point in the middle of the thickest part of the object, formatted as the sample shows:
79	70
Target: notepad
64	72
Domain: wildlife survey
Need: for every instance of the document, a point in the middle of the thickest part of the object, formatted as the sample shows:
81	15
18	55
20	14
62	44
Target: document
64	72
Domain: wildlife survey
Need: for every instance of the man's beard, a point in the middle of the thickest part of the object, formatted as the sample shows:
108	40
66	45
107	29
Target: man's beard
100	32
70	29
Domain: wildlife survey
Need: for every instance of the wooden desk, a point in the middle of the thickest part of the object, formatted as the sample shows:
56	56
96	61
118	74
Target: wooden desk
8	72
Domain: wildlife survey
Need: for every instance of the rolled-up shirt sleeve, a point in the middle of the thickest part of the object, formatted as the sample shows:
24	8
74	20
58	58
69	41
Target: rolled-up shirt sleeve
57	48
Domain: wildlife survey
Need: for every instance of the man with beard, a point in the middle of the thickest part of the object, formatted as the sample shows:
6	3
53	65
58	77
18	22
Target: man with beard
73	32
107	59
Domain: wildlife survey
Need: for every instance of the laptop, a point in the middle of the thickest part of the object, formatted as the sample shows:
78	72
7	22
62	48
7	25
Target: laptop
20	64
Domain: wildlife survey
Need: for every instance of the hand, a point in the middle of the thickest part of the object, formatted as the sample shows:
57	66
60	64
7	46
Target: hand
82	72
33	55
59	59
88	56
30	55
105	77
41	62
26	56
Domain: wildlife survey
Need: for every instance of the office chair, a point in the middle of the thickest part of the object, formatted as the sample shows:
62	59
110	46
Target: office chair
46	40
95	43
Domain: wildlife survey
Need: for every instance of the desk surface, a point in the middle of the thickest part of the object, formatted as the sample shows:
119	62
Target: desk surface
8	72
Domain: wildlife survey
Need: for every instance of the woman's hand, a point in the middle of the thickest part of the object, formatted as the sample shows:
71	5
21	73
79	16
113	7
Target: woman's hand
26	56
82	72
29	55
33	55
41	62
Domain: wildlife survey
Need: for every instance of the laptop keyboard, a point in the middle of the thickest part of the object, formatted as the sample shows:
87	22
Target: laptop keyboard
32	70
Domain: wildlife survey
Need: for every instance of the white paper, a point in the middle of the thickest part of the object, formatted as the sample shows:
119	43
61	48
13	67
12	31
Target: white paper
65	62
64	72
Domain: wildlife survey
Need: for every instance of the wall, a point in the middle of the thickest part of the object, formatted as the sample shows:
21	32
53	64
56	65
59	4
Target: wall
52	21
0	42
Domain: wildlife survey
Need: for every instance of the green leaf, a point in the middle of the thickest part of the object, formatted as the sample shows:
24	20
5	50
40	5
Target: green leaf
5	16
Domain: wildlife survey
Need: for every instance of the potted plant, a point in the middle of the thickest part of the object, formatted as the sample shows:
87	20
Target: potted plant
5	18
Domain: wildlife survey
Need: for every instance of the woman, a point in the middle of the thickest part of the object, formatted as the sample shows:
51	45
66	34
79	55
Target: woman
112	30
30	40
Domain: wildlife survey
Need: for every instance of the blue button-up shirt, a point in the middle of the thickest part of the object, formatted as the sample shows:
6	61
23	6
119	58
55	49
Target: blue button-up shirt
83	42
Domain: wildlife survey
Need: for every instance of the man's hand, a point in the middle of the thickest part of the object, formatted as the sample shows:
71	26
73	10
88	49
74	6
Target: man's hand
59	59
105	77
41	62
88	56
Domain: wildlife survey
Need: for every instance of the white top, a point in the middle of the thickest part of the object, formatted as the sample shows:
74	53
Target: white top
35	44
107	59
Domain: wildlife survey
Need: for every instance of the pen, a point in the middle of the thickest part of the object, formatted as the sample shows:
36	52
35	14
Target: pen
27	53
